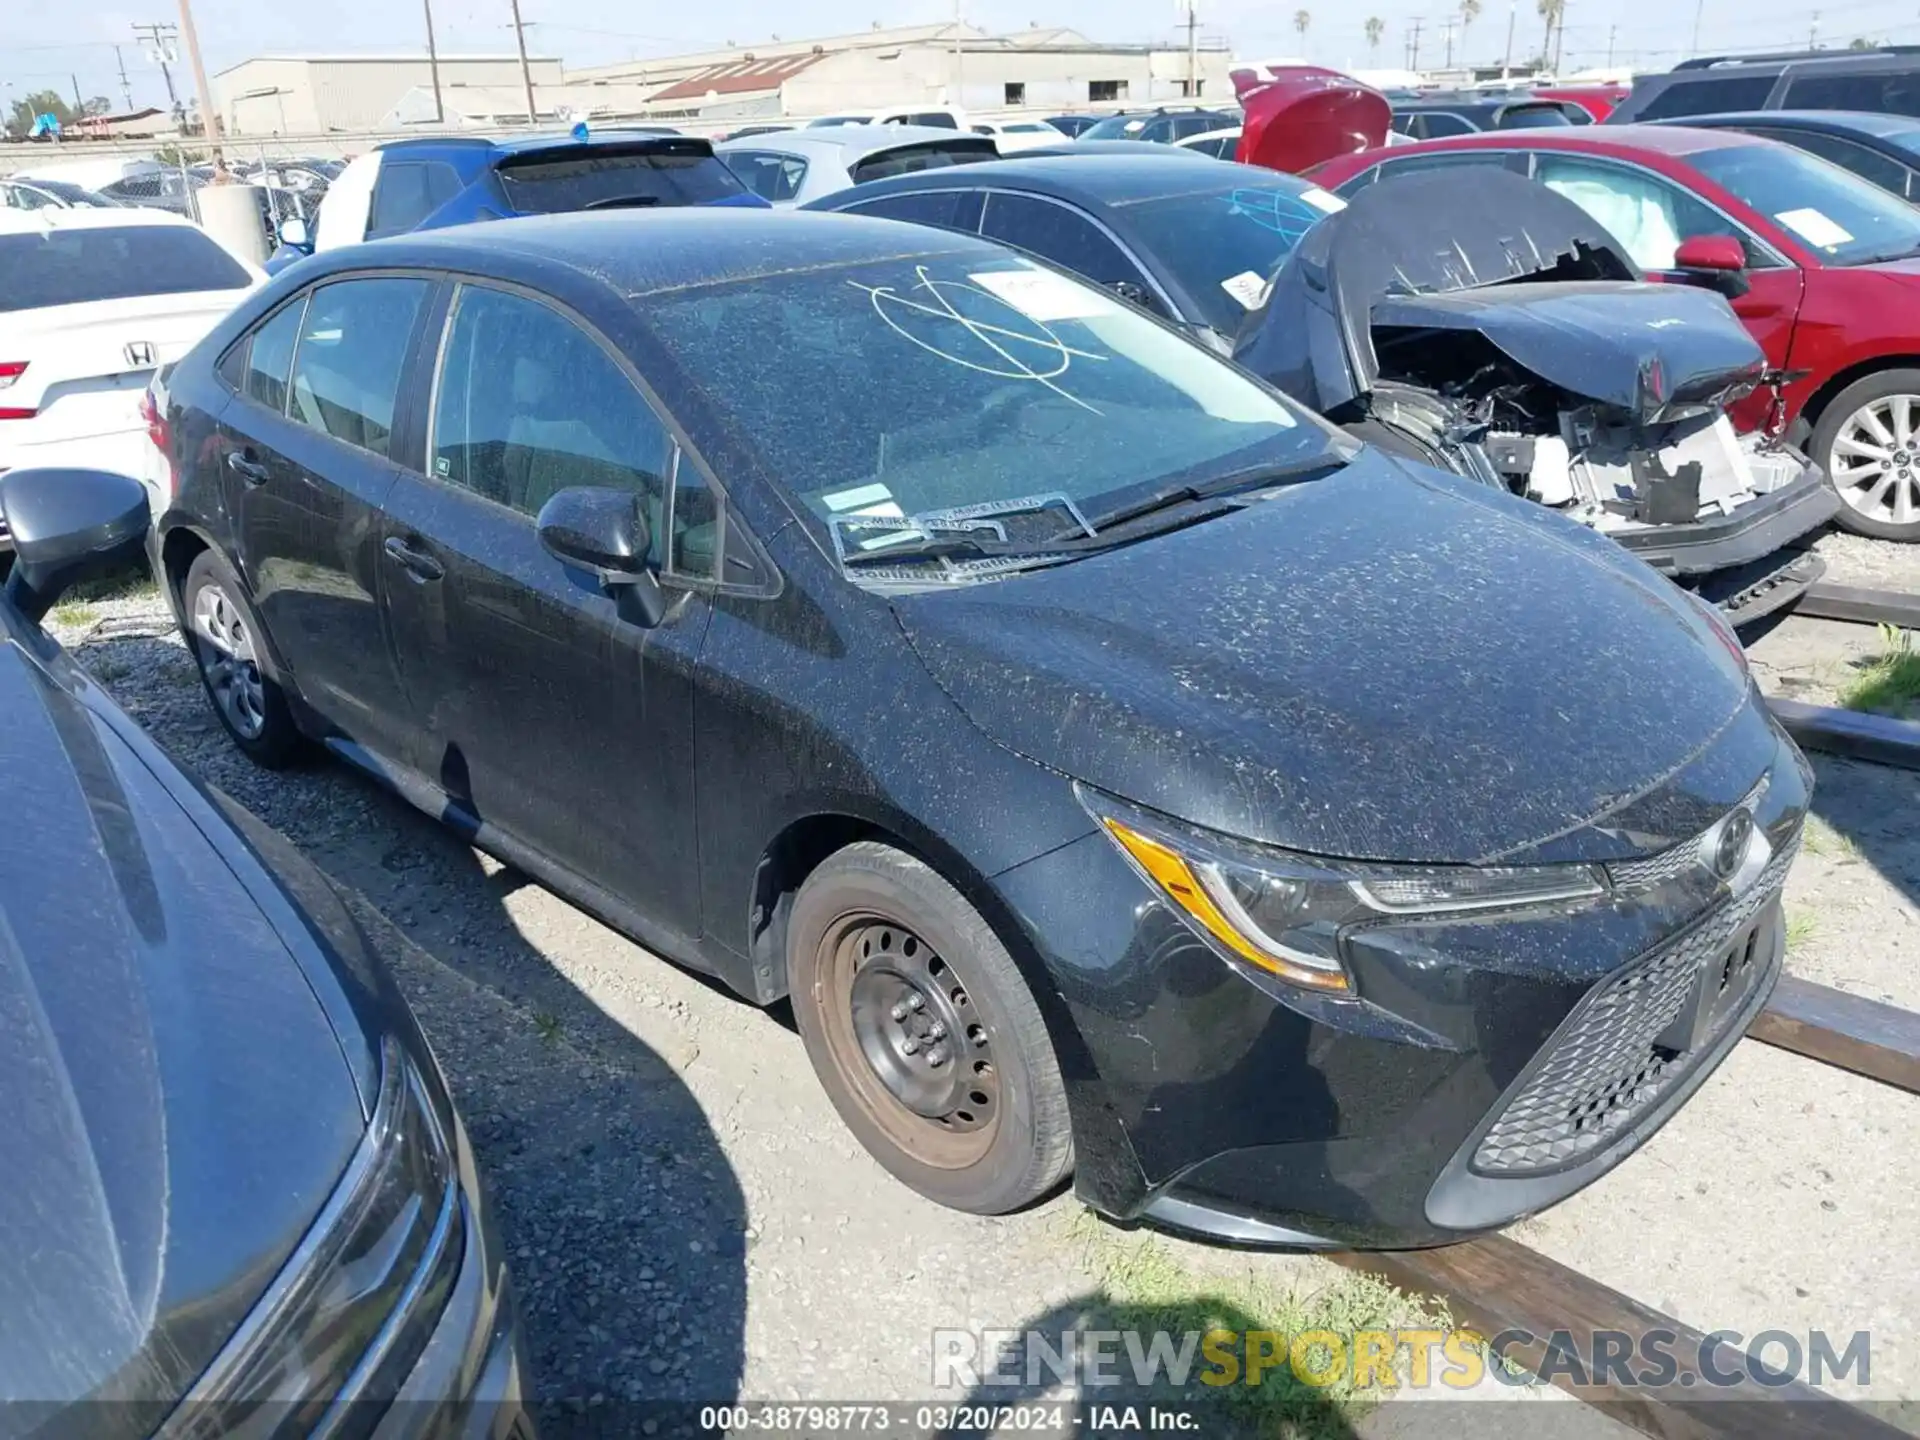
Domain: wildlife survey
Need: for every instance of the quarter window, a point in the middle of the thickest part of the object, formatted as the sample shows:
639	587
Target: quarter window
530	404
768	173
408	192
270	358
353	345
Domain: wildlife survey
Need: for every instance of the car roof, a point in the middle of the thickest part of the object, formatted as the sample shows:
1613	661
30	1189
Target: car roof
851	142
1854	122
526	144
1603	139
14	222
1088	179
642	252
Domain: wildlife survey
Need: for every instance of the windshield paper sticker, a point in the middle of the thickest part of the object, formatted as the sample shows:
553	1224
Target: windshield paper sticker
1246	287
1814	228
1323	200
866	500
1044	296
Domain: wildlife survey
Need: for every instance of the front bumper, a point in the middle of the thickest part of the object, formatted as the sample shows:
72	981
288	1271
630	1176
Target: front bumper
1212	1100
1754	531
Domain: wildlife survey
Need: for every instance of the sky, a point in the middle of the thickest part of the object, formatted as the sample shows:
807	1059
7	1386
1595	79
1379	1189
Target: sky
46	46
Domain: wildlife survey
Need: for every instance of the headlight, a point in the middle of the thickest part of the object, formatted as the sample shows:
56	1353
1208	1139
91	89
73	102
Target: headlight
347	1317
1284	913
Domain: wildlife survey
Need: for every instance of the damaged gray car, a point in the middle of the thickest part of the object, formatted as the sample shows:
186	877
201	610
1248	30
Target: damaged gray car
1474	320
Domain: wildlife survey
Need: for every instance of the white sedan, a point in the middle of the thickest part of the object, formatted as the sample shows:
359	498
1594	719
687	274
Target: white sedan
93	303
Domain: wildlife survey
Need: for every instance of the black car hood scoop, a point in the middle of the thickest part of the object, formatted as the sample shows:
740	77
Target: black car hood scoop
1385	664
177	1105
1475	248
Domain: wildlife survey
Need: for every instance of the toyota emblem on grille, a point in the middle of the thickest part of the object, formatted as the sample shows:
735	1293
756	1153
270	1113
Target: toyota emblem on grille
140	352
1725	847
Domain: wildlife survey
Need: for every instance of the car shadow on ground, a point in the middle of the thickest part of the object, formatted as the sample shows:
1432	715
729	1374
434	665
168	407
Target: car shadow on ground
622	1222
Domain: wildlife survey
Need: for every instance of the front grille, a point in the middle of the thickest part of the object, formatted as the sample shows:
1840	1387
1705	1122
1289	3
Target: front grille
1605	1066
1655	870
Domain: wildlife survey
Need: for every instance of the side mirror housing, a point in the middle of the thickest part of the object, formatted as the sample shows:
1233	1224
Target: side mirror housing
69	525
1710	252
295	235
605	530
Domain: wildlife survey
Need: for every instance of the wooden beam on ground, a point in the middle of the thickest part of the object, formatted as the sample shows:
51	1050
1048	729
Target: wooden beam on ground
1494	1284
1867	1037
1825	600
1852	733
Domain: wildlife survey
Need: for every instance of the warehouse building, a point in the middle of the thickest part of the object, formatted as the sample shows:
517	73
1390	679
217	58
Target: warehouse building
313	94
952	64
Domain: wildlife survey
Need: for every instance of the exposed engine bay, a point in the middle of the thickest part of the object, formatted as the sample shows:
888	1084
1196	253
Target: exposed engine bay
1472	319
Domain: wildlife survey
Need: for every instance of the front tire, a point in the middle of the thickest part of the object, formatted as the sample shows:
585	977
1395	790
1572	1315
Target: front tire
924	1033
226	641
1868	441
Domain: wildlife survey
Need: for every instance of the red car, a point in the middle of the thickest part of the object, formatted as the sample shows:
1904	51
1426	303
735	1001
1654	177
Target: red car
1598	101
1831	264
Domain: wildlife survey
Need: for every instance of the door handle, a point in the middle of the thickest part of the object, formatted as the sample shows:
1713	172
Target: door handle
416	563
251	471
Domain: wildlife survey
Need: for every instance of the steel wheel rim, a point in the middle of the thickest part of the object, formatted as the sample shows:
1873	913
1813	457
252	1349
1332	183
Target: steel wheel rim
903	1030
223	644
1875	461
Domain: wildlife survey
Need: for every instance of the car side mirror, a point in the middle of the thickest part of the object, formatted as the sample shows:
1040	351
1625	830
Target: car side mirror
605	530
69	525
1713	262
295	235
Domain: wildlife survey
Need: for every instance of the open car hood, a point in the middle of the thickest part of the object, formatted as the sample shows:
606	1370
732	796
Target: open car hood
1299	115
1442	250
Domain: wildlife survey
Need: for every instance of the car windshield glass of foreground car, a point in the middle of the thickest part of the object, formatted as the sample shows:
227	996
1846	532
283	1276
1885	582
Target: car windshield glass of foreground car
1837	215
72	267
981	381
1225	241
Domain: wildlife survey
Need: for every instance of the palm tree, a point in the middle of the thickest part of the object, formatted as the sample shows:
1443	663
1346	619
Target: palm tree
1301	20
1553	12
1376	27
1469	12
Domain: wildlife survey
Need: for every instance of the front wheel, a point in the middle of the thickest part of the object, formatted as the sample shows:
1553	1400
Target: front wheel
924	1034
1868	440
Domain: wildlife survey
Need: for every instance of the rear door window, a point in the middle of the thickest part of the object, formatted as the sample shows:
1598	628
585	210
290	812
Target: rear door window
949	209
407	192
682	172
770	174
1884	92
1436	124
352	349
270	358
1066	237
1710	96
73	267
961	150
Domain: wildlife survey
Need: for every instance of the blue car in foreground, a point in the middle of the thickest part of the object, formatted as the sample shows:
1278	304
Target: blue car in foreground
444	180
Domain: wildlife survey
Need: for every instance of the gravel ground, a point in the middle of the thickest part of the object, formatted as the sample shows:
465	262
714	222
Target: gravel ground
1878	564
686	1218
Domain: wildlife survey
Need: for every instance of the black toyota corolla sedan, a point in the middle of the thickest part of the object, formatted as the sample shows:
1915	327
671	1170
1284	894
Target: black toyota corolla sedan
1122	772
237	1198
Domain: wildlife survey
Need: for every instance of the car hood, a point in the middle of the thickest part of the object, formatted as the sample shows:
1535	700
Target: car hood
178	1105
1389	663
1414	237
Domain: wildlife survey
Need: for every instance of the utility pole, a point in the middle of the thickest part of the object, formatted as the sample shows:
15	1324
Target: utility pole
1413	46
1559	36
1813	32
526	75
1446	33
1193	49
433	65
1506	59
1699	9
209	112
959	61
126	85
1610	30
79	105
161	38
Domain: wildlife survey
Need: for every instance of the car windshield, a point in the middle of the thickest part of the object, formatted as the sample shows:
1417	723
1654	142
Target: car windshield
692	176
1116	127
1834	213
1223	240
72	267
894	388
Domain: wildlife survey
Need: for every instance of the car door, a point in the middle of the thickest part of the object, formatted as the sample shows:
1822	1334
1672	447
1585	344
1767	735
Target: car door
1651	215
537	708
1073	240
305	471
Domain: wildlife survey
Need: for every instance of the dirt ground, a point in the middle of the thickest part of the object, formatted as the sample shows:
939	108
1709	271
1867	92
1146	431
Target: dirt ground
687	1220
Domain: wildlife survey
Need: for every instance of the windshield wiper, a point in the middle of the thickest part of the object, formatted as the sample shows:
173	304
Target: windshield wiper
1252	477
958	544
